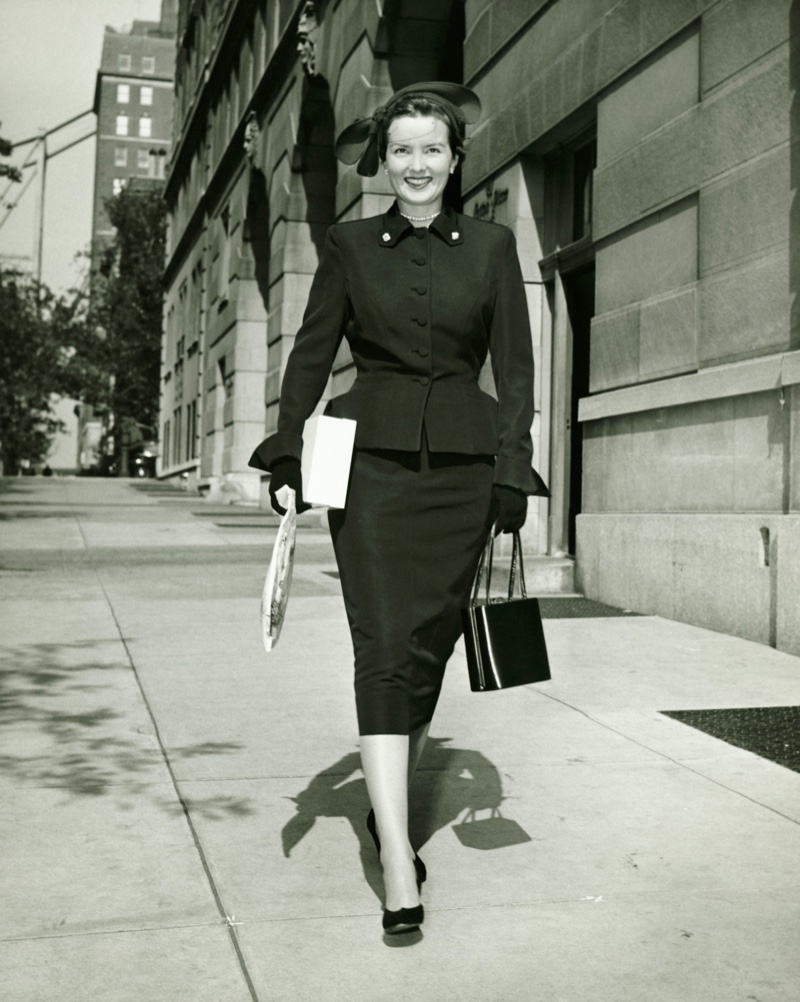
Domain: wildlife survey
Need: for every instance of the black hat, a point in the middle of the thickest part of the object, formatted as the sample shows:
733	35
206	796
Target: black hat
358	143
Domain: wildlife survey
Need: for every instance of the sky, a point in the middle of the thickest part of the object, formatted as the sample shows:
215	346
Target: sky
49	55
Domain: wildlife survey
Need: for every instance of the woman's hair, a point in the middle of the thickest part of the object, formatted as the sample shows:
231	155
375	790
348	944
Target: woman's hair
416	105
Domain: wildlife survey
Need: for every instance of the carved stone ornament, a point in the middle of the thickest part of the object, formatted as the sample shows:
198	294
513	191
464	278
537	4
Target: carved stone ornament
307	28
251	137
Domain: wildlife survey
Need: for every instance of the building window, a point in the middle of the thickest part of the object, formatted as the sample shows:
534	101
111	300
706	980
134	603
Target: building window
158	160
121	156
143	159
125	62
583	166
146	126
123	93
191	430
118	185
148	64
122	125
176	436
146	95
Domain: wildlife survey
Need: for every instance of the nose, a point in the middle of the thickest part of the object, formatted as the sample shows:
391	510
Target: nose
418	160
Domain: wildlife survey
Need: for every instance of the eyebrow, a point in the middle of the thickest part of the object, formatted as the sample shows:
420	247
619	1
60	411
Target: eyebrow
407	142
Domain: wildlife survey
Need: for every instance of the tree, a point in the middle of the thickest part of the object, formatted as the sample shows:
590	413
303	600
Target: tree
39	332
103	349
127	303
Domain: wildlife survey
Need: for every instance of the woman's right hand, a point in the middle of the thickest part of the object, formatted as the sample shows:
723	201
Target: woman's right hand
509	508
286	473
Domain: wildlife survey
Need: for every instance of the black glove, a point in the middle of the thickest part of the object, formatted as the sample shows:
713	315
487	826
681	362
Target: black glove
509	508
286	473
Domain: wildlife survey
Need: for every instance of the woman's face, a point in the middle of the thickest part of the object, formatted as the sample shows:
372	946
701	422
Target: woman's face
419	162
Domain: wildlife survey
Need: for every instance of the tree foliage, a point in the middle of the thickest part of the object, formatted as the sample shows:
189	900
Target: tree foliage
103	348
8	170
127	303
40	335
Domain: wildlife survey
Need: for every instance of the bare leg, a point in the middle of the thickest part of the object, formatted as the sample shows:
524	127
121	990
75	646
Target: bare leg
385	762
416	742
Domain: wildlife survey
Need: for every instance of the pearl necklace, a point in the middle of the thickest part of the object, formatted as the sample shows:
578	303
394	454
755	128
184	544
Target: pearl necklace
420	219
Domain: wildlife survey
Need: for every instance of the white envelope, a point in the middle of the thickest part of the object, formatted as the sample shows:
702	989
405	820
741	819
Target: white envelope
327	456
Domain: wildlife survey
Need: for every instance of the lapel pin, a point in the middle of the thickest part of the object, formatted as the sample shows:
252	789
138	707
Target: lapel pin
454	235
387	236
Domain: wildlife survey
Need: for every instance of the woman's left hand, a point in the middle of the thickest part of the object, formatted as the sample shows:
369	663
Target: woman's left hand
509	508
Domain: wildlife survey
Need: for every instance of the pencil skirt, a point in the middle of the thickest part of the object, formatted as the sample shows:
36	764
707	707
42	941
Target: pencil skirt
407	546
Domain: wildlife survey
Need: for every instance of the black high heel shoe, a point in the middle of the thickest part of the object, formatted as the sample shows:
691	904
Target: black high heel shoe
419	866
403	920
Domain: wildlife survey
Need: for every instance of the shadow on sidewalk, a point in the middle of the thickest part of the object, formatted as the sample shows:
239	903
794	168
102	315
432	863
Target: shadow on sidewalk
56	511
68	723
15	485
451	784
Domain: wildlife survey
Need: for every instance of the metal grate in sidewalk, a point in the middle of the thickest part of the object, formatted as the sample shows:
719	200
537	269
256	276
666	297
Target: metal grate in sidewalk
773	732
571	607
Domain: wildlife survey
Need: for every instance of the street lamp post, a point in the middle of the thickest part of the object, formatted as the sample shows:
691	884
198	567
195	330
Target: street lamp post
38	237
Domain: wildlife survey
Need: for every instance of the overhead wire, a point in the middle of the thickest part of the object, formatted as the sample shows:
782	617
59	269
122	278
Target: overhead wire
40	137
12	205
73	143
31	163
55	128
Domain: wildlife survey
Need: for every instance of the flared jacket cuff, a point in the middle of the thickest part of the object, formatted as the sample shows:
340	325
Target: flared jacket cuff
525	478
281	445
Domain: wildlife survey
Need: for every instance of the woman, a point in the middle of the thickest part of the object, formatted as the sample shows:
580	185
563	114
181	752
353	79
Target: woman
421	294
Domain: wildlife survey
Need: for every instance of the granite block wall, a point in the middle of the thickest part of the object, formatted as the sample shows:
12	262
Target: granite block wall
713	456
651	258
536	63
735	573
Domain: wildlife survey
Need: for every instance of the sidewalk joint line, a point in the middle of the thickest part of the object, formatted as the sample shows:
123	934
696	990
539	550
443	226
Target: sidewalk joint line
227	921
669	758
78	933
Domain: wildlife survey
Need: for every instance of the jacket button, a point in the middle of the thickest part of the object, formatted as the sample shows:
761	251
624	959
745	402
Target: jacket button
420	260
423	380
423	352
422	321
421	290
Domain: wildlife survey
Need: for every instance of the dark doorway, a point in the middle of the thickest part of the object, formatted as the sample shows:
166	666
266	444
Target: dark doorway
579	293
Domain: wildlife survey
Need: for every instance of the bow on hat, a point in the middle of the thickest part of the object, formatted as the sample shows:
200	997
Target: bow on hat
358	143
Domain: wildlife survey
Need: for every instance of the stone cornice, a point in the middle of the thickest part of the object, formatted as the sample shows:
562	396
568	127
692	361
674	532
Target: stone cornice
755	375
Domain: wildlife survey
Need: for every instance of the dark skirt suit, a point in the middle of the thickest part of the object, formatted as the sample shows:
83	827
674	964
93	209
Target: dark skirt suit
420	309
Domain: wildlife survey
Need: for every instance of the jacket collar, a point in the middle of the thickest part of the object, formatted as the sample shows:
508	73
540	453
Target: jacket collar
446	225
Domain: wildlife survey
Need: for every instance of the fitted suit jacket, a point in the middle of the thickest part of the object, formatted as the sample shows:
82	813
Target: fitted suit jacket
420	310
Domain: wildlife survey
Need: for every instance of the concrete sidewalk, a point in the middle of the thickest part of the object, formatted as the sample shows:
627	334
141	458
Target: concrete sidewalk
182	815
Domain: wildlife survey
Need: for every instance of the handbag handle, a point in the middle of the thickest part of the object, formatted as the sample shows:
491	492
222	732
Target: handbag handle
470	816
487	555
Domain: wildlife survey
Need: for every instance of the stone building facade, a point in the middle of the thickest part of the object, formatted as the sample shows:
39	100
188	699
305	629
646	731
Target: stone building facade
641	151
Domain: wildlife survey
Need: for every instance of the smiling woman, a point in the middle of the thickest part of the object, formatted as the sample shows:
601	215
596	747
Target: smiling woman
419	162
422	293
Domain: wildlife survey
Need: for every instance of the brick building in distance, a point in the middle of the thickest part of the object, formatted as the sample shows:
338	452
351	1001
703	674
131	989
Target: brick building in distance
133	101
644	154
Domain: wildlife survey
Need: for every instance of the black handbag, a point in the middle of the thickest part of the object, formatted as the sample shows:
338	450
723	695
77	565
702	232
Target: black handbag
504	638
